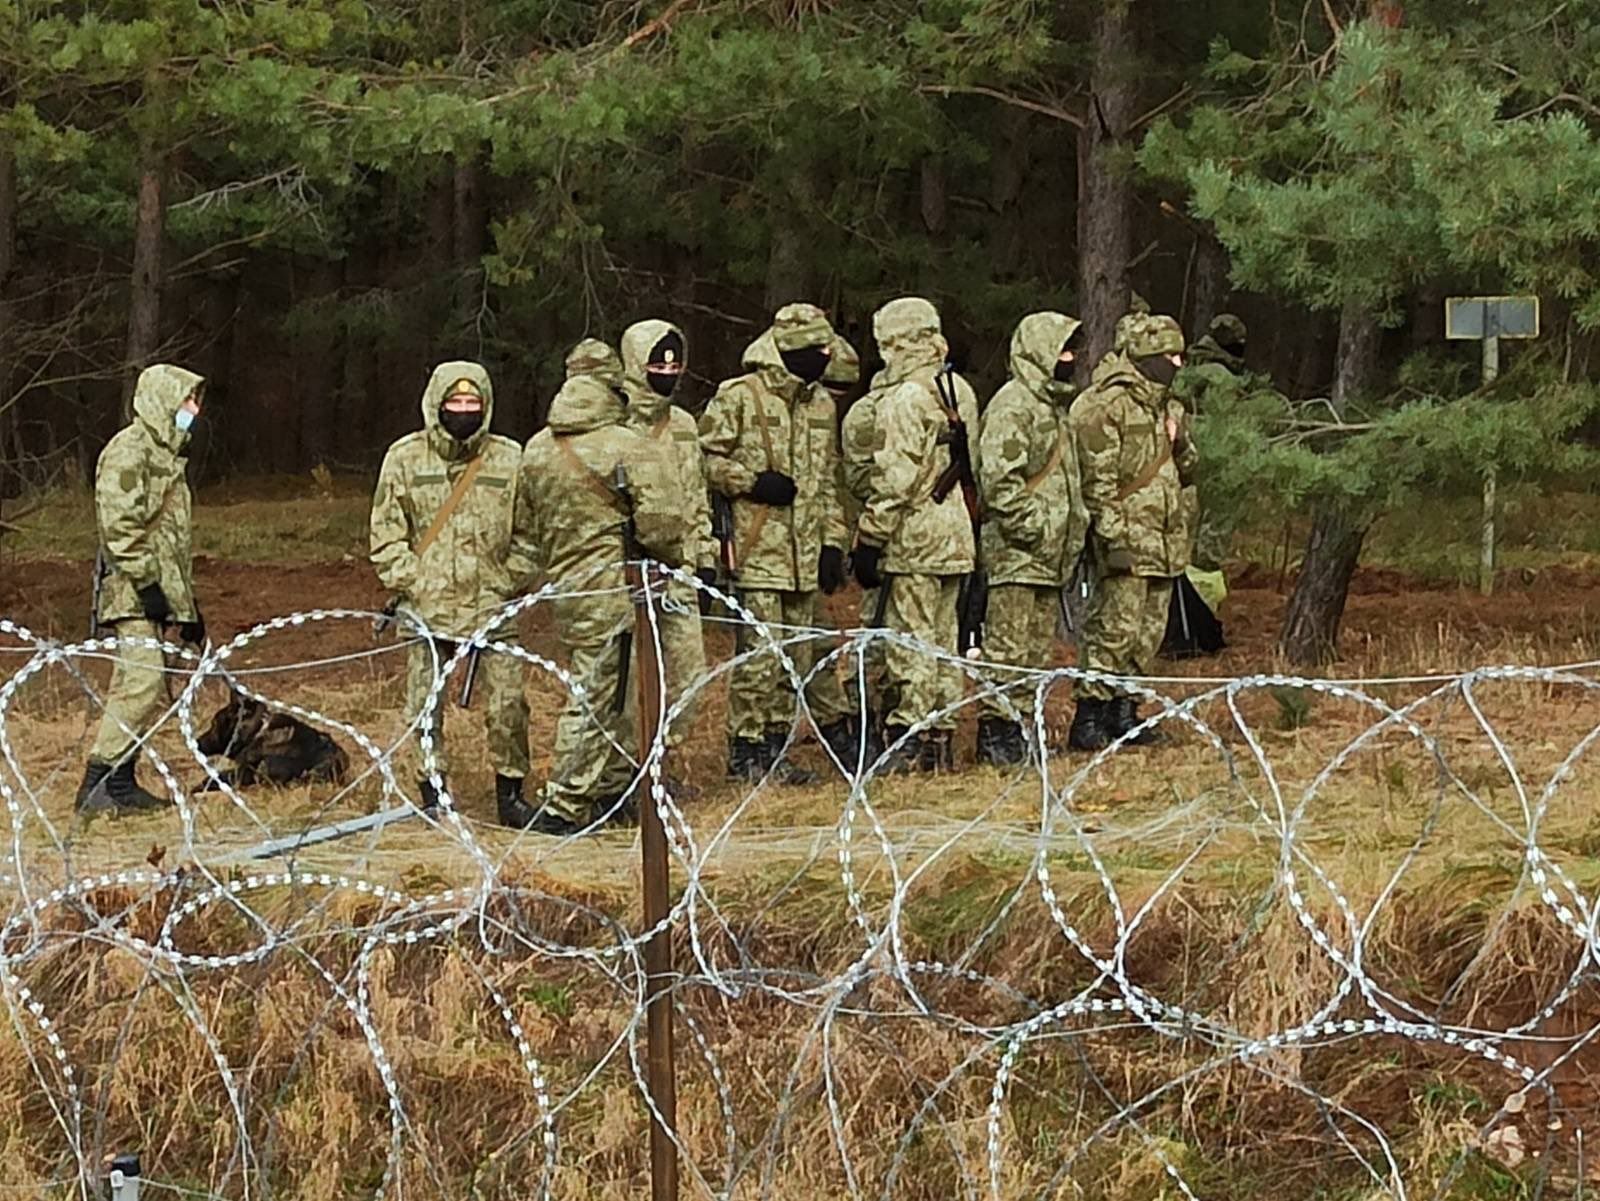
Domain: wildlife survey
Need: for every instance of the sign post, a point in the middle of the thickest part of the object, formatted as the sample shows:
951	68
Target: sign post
1487	319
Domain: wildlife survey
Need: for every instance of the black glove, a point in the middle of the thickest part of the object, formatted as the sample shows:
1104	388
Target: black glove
864	562
154	602
707	576
194	632
773	488
830	570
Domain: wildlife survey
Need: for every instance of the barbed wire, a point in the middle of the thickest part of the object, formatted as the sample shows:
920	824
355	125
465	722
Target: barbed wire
987	1044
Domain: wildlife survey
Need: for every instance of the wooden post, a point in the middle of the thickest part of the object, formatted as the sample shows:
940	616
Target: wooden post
1491	482
660	1071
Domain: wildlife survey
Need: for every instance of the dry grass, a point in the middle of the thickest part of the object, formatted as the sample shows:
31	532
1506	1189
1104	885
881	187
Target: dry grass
1188	839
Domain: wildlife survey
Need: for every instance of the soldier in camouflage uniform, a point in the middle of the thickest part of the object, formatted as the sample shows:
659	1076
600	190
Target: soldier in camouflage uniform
1213	368
142	511
771	445
451	563
916	548
654	358
1135	454
571	523
1035	519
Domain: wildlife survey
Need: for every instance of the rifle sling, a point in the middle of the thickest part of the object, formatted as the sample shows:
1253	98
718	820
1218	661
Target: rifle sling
448	509
590	478
1031	484
1144	478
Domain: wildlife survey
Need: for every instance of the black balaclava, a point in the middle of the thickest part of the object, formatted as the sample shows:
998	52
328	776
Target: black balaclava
461	424
668	350
1236	349
1157	368
1063	372
807	362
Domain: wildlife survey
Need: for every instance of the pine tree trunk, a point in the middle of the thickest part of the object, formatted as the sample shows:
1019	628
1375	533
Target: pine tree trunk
471	219
789	255
1105	193
9	470
1310	634
1210	282
144	301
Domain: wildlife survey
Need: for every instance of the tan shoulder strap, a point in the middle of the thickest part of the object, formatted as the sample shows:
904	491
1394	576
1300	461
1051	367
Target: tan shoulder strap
662	422
1146	476
451	503
591	478
1033	481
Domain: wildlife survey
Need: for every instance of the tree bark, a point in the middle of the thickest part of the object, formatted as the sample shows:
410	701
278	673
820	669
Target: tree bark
1310	634
1105	191
471	236
144	301
1211	285
789	255
9	483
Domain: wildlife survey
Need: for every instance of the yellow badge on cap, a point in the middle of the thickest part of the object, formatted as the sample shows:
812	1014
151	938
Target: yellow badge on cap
465	387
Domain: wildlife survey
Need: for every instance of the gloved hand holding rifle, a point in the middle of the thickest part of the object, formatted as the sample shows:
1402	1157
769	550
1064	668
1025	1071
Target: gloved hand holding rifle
973	601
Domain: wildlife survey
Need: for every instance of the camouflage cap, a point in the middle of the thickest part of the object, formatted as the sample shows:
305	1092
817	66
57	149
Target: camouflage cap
844	368
1227	330
1147	334
1137	303
594	357
904	318
798	325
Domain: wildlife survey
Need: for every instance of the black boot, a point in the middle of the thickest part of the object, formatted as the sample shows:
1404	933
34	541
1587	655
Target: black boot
430	797
1000	743
554	825
1089	729
1125	716
747	759
843	738
940	747
915	752
784	772
91	795
514	812
124	792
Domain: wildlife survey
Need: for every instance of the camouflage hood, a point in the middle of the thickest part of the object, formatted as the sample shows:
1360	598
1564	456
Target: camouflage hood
158	396
909	337
1207	350
440	383
590	398
638	340
1035	348
1116	370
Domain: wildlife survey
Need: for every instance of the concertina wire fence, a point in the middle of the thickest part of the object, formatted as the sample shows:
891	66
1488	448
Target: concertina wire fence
1033	1078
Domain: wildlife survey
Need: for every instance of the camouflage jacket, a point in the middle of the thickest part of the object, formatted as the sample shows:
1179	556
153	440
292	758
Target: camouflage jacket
766	420
469	569
859	442
1034	516
919	536
141	500
675	431
570	516
1132	474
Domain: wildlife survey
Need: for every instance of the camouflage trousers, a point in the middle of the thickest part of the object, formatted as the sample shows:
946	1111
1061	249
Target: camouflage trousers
1210	533
595	739
499	683
1020	631
761	694
915	683
1126	622
137	696
683	656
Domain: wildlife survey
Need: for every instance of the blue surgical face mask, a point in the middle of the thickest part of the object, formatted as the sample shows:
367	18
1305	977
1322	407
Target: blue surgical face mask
184	420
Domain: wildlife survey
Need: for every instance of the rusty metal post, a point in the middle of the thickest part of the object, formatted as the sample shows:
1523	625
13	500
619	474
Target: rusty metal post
660	1069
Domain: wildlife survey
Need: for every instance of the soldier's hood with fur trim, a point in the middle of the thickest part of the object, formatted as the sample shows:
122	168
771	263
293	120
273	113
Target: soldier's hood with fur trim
444	377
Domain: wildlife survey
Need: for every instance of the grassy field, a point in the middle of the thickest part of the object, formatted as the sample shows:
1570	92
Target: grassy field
1169	864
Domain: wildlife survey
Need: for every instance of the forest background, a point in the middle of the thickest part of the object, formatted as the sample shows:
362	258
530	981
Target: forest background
312	202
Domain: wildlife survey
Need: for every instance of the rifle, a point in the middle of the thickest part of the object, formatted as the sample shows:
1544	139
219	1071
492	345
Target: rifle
94	599
385	619
634	576
471	678
972	605
722	529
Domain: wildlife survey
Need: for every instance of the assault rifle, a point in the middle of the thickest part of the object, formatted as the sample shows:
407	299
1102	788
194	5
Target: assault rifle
722	529
972	602
100	573
633	571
